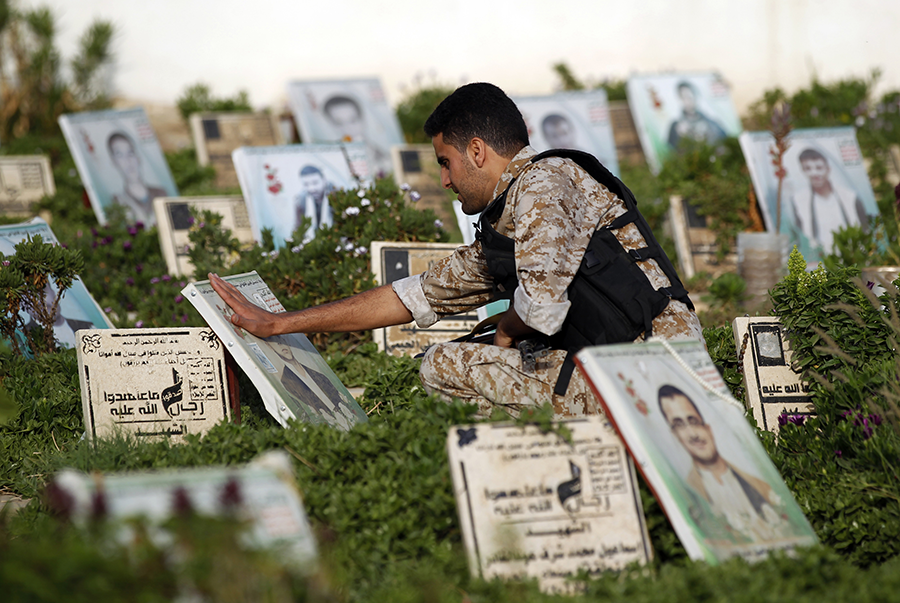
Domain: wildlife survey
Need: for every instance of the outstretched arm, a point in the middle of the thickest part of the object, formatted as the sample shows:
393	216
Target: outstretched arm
378	307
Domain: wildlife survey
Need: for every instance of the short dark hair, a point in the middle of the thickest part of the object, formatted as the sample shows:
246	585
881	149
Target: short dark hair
479	110
670	391
309	170
812	155
340	99
118	136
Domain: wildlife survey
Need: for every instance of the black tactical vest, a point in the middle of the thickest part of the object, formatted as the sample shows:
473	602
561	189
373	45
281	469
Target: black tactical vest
612	299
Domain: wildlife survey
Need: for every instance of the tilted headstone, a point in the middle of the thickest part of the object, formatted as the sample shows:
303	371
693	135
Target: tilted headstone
696	244
216	135
773	387
393	261
152	383
262	493
24	180
173	217
696	450
534	505
416	165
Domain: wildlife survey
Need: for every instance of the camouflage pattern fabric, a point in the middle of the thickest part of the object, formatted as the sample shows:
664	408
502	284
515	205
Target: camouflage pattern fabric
551	211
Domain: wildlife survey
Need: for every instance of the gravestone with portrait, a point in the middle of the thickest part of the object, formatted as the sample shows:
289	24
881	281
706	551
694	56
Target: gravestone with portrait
283	185
24	180
416	165
161	383
701	458
216	135
262	493
698	250
174	221
119	160
775	391
571	120
393	261
534	504
825	186
76	309
356	110
674	107
292	378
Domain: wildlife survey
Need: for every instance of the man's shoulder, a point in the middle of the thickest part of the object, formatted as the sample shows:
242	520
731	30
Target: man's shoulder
756	483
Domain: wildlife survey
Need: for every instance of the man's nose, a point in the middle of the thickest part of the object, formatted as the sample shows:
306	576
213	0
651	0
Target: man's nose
445	178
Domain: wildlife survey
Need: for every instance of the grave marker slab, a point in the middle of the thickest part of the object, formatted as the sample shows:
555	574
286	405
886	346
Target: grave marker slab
532	505
393	261
415	165
152	383
696	244
216	135
173	217
773	387
268	499
24	180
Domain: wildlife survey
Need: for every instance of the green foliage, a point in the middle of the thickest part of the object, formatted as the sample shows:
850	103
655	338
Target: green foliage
25	280
415	108
728	289
615	88
198	98
33	93
723	352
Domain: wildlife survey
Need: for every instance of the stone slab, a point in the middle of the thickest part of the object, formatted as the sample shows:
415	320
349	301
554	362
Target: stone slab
773	387
416	165
696	244
152	383
173	217
216	135
24	180
532	505
393	261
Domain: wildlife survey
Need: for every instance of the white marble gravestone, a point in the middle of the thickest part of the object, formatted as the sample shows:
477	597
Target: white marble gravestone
773	387
393	261
532	505
216	135
24	180
152	383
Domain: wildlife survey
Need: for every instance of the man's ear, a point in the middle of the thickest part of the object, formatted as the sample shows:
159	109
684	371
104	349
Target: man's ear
477	151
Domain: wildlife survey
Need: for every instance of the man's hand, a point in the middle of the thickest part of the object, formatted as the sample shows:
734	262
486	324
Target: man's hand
511	329
247	315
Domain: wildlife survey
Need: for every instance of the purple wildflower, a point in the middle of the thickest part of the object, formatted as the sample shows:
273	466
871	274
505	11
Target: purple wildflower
139	225
139	268
838	453
132	230
139	324
191	220
129	281
107	309
127	245
154	280
166	278
184	319
179	298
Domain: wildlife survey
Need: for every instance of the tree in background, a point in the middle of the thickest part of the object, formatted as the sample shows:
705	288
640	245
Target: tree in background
33	93
615	89
199	99
417	106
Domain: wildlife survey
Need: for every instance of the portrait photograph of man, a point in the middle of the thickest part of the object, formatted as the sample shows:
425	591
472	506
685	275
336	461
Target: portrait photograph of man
285	185
120	162
671	109
571	120
698	453
826	187
342	111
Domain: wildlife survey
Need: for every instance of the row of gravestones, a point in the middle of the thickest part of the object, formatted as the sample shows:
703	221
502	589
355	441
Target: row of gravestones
530	503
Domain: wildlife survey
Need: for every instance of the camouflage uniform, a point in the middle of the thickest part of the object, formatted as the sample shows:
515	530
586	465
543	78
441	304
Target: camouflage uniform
551	212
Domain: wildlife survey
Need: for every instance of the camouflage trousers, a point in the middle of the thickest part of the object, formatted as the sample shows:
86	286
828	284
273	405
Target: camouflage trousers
492	377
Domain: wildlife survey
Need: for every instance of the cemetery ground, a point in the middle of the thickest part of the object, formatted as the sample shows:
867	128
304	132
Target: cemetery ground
380	497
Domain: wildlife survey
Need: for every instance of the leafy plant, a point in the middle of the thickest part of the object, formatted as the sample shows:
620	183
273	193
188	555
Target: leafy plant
198	98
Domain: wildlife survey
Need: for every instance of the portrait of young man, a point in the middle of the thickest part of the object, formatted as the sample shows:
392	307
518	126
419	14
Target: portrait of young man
540	216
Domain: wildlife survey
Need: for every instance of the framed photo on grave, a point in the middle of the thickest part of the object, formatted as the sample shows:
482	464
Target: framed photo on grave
119	160
355	110
773	387
24	180
826	187
156	383
77	309
393	261
217	135
533	505
699	455
571	120
292	378
415	165
173	219
262	493
696	244
283	184
668	108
